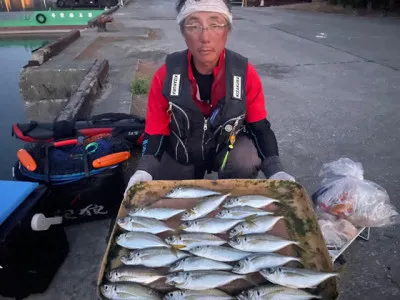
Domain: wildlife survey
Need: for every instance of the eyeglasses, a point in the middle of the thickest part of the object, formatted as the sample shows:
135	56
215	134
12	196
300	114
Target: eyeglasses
214	28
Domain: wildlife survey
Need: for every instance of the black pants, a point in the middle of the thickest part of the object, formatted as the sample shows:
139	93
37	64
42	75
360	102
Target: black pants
243	163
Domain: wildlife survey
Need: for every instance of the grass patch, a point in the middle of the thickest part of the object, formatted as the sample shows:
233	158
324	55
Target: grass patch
141	86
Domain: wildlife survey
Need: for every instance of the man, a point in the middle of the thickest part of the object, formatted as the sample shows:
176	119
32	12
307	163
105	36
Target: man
206	108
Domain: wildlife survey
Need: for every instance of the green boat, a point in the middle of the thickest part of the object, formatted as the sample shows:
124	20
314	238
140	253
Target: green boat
35	14
42	18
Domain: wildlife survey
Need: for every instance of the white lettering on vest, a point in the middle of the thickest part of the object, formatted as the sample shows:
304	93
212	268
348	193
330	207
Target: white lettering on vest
176	80
237	87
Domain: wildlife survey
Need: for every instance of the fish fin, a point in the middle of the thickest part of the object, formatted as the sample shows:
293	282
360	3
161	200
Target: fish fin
250	220
179	247
175	251
248	278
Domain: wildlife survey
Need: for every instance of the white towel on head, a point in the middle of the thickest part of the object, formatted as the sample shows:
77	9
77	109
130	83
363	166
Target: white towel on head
192	6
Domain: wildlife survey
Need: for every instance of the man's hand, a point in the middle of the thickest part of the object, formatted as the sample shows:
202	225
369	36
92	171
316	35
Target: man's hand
139	176
282	176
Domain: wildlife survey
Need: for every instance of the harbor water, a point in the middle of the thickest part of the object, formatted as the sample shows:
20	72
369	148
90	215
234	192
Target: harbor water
14	54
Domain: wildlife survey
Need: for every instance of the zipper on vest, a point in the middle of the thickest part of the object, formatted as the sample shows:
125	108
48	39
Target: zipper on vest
204	135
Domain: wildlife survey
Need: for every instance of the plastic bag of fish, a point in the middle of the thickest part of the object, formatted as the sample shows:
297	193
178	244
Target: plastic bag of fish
198	261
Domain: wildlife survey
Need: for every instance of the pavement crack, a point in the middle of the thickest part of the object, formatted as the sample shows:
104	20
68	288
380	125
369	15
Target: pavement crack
330	63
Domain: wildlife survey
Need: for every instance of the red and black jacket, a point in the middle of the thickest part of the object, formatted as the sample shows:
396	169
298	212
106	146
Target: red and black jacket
192	130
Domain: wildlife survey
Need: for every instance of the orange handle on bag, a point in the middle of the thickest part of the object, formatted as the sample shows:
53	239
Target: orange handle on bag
26	160
111	159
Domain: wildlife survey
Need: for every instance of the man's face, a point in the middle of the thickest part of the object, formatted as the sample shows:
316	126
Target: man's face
206	45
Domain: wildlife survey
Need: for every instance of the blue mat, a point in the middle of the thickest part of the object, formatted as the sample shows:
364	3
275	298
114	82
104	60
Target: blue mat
12	194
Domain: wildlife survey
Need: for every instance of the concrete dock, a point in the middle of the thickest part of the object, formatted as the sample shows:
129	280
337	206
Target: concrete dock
332	86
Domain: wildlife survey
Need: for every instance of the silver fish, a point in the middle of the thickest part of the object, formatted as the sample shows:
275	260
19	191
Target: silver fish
201	280
133	274
295	277
186	241
190	192
259	224
153	257
219	253
194	263
256	201
209	225
275	292
141	224
204	207
241	212
212	294
139	240
256	262
127	291
260	242
158	213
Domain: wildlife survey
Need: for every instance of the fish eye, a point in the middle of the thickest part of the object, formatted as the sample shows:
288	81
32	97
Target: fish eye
258	293
115	288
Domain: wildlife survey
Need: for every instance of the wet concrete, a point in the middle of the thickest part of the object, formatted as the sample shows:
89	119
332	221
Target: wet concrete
330	97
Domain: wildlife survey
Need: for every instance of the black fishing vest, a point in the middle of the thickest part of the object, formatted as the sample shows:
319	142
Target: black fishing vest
195	139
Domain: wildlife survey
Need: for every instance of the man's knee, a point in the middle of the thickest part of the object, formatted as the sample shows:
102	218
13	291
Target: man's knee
243	161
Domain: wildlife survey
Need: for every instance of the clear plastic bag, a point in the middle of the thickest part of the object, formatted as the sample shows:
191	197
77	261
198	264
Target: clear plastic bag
337	233
345	194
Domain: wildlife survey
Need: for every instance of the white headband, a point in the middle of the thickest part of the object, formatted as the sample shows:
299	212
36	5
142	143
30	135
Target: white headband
192	6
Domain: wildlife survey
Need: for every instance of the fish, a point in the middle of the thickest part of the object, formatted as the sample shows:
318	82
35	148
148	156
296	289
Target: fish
190	192
204	207
141	224
209	225
186	241
194	263
133	274
258	224
158	213
256	262
256	201
260	242
219	253
127	291
275	292
153	257
241	212
201	280
295	277
139	240
212	294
